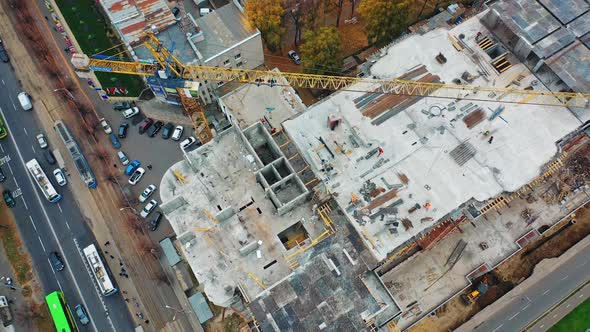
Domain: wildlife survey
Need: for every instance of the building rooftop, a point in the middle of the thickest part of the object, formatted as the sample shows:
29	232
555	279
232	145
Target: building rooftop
223	28
436	152
250	103
174	39
134	17
200	307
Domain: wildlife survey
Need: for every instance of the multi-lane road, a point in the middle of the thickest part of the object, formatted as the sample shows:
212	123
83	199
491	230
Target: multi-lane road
49	227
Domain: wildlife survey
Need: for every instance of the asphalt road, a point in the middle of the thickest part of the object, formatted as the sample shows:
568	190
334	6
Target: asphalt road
559	312
520	311
49	227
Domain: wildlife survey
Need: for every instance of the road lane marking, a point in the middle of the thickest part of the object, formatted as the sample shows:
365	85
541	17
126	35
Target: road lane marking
564	278
32	222
3	82
497	328
526	306
25	129
33	149
46	215
68	225
569	305
1	148
545	292
581	296
541	326
42	245
59	206
10	168
555	316
516	314
24	202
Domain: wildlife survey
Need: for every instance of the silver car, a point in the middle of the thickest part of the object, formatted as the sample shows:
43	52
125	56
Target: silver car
149	207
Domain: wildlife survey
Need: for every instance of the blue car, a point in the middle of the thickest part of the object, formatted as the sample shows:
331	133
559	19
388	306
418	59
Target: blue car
115	141
132	167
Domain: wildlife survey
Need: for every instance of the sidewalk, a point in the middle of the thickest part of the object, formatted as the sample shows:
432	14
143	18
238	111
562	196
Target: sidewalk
541	270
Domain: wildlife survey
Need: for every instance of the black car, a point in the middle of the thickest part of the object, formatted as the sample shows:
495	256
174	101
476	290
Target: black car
49	157
3	54
167	130
123	130
56	261
8	198
155	128
121	106
155	221
2	176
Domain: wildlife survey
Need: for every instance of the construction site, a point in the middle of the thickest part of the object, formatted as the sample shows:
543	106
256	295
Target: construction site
370	210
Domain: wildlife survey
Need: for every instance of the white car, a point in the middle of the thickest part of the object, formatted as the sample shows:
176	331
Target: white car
105	126
25	101
136	176
60	177
149	207
177	134
187	142
147	193
42	141
129	113
123	158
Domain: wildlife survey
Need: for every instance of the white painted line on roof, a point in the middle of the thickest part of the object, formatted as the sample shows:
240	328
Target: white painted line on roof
497	328
516	314
32	222
564	277
26	133
545	292
42	245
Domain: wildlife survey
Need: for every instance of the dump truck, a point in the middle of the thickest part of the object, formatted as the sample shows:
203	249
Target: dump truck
5	314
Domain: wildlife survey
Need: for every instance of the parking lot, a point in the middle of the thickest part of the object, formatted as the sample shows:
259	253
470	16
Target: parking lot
154	151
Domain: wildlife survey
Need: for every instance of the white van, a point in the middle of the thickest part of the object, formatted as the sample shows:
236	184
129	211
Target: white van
25	101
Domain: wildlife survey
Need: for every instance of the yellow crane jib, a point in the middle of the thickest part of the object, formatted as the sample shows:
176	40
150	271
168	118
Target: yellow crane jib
163	59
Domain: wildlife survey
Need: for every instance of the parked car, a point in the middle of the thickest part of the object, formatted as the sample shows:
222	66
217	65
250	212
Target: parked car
131	112
147	193
149	207
187	142
177	134
60	177
176	12
82	315
3	54
155	221
49	157
8	199
123	130
136	176
2	176
56	261
105	126
115	141
167	130
42	141
25	101
295	57
123	158
121	105
145	125
155	128
132	167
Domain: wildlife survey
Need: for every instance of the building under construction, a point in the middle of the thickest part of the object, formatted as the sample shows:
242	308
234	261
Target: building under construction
296	217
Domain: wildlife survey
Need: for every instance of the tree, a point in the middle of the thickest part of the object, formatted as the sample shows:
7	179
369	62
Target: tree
339	5
321	51
266	16
297	13
352	6
384	19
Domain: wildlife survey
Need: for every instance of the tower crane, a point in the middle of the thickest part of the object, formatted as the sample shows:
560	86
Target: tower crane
166	65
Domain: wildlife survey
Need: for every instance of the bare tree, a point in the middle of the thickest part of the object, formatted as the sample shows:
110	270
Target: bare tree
149	248
296	13
339	5
161	278
352	6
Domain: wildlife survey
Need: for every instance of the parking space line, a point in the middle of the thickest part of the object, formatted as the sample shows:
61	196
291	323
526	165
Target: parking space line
42	245
32	222
15	182
25	129
59	207
68	225
10	168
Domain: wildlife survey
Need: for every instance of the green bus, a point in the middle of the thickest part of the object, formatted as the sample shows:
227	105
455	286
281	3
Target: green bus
3	130
60	313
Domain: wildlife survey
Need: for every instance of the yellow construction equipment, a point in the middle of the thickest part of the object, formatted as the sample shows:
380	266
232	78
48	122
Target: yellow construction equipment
165	60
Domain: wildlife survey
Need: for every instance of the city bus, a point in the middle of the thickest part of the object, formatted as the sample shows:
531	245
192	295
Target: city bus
60	313
100	271
42	181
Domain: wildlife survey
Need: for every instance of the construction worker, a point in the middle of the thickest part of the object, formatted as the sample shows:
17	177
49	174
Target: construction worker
486	133
491	139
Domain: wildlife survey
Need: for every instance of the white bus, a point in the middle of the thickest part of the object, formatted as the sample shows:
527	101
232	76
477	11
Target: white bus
100	271
42	181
